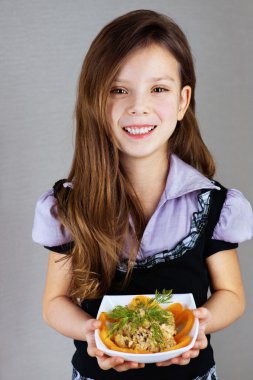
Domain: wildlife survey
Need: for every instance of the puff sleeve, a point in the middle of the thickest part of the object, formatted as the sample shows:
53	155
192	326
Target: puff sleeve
235	223
47	229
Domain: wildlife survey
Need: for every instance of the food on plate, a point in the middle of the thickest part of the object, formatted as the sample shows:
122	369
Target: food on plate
145	327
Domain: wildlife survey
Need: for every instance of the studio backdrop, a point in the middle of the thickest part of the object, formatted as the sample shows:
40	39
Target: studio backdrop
42	47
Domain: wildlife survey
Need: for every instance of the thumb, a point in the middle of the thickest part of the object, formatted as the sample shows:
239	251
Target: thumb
91	325
202	313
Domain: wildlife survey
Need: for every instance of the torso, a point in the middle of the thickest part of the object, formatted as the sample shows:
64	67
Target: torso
184	271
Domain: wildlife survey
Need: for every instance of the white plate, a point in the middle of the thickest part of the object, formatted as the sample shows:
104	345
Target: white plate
109	302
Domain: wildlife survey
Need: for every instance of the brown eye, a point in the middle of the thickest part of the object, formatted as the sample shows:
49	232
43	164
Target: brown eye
118	91
160	89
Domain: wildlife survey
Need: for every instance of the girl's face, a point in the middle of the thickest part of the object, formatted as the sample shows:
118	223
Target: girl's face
146	101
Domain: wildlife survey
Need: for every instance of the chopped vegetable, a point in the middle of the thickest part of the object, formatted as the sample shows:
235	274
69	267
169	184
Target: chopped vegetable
145	327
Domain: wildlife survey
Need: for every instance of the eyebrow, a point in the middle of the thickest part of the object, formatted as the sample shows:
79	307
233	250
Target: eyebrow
152	79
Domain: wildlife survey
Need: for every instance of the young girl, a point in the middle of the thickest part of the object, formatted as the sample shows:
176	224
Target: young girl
140	210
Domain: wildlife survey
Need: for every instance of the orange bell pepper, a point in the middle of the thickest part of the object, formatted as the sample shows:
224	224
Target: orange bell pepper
176	309
139	299
187	320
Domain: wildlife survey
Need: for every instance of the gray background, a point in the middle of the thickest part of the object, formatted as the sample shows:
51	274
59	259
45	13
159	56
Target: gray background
42	48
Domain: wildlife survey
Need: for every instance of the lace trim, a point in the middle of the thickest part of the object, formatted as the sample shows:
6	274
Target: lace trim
198	222
210	375
76	376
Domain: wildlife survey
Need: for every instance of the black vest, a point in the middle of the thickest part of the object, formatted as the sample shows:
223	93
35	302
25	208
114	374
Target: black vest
185	274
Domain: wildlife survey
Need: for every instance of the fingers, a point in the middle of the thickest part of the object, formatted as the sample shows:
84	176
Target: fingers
201	341
129	365
105	362
186	357
203	314
165	363
92	348
179	360
190	354
117	363
91	325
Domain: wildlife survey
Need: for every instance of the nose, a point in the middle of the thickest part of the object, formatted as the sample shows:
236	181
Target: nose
138	105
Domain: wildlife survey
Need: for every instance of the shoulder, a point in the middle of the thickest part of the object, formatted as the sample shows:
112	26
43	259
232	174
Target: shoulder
235	222
47	229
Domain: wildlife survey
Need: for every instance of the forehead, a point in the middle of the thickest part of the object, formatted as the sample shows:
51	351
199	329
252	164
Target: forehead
152	61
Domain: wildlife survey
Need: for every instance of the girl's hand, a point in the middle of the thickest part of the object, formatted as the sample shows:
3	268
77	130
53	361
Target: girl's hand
204	316
105	362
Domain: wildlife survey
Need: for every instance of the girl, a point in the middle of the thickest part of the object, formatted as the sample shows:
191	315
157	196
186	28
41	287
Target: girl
140	209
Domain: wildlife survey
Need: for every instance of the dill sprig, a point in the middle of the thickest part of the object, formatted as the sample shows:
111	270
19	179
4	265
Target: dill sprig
144	311
163	297
157	332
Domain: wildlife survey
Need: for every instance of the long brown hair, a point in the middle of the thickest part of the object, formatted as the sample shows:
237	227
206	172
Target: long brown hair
96	211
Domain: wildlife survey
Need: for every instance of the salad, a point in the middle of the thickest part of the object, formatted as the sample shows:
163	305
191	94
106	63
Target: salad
145	327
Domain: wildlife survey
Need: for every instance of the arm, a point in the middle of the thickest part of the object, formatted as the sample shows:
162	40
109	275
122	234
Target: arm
59	312
227	302
69	319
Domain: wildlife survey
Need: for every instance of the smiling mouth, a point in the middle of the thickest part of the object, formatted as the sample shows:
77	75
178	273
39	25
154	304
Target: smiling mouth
139	130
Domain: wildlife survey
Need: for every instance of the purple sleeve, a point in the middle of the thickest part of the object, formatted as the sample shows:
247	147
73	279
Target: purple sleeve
236	220
47	229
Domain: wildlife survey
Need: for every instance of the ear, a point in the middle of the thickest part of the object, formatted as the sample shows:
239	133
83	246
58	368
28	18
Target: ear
184	101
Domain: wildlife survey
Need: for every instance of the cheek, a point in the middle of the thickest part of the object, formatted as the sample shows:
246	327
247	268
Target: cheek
167	110
113	112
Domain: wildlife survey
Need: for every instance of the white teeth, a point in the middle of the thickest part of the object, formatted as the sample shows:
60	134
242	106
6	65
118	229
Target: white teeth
140	131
